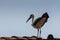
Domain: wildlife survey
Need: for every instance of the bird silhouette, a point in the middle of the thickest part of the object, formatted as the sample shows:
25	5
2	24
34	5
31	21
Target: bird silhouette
39	22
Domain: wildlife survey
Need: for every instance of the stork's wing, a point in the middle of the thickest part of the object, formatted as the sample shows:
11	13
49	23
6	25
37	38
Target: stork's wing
42	21
39	22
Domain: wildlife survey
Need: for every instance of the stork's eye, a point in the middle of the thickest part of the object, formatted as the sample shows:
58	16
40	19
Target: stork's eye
32	15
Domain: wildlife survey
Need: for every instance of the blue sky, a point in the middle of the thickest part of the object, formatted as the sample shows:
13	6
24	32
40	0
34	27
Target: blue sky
14	13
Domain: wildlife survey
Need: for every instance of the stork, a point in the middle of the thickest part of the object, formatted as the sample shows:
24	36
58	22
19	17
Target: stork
39	22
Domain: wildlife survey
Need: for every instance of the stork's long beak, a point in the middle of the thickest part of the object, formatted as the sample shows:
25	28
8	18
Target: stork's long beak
28	19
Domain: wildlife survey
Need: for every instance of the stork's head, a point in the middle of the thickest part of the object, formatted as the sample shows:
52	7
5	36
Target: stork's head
31	16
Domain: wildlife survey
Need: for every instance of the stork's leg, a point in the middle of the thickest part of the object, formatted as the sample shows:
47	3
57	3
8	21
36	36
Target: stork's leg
37	32
40	32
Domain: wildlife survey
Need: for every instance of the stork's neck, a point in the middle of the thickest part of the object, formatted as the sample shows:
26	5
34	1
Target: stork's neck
32	19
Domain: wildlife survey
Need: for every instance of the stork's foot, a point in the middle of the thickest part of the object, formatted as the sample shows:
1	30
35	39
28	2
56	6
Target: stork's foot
39	38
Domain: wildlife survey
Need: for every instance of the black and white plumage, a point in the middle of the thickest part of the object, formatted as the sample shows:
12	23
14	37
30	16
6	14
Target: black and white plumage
39	22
